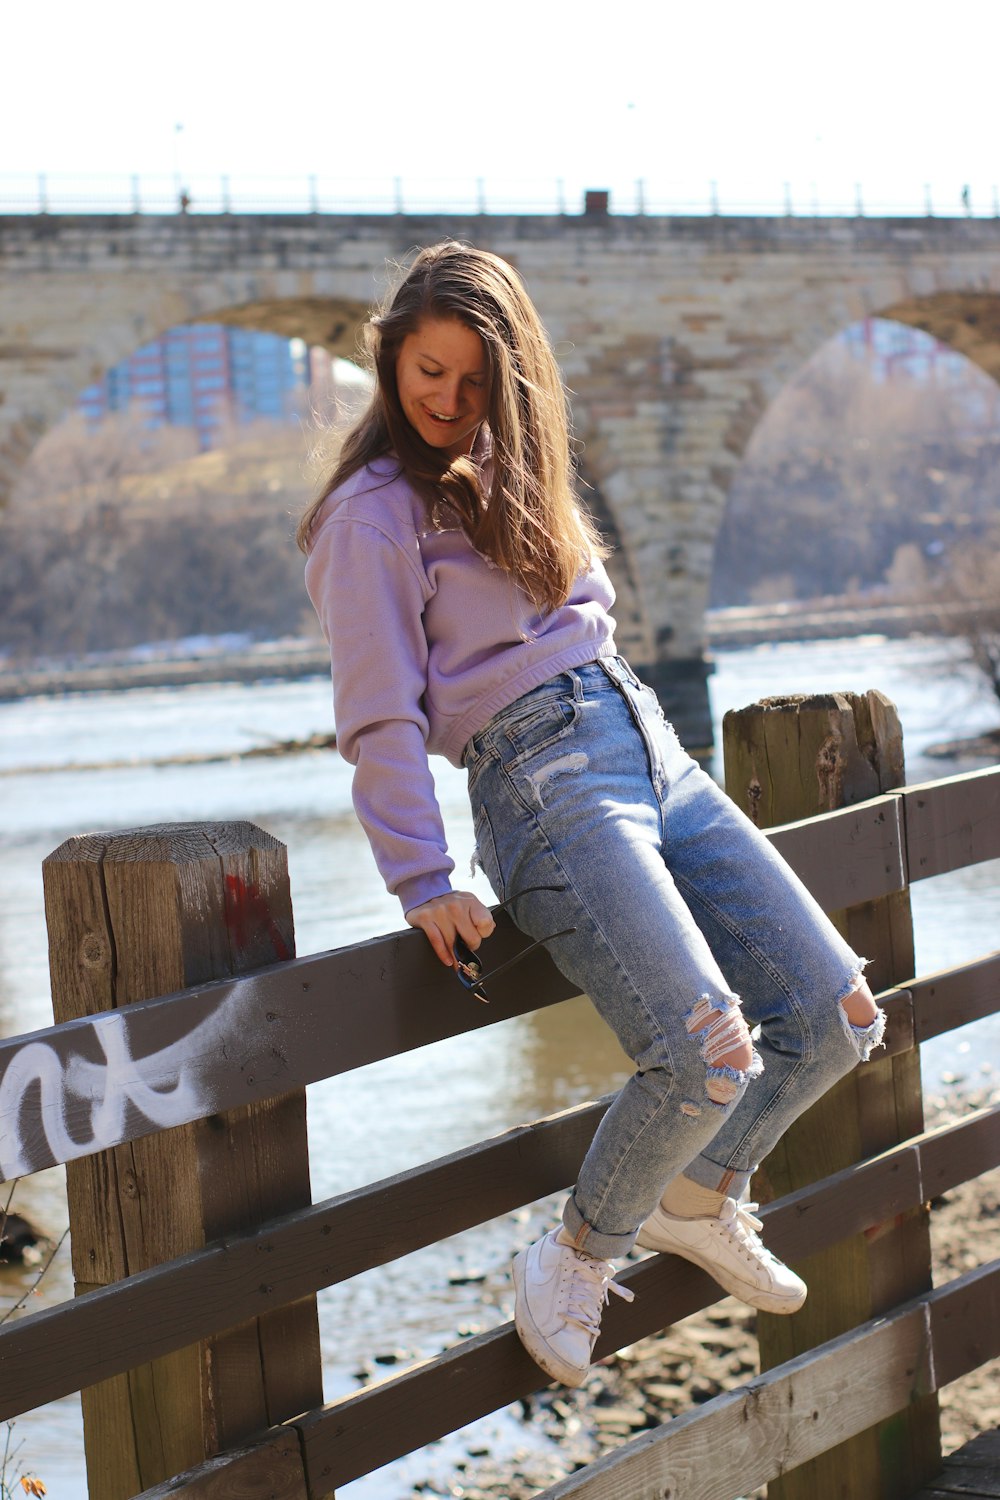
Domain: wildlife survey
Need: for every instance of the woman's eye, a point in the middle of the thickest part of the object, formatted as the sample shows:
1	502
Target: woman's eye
431	373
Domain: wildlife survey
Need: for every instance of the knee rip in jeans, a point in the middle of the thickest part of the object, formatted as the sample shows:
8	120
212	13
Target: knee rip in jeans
726	1049
863	1021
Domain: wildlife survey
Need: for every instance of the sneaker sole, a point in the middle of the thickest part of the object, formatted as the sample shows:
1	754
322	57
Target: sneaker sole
533	1340
745	1291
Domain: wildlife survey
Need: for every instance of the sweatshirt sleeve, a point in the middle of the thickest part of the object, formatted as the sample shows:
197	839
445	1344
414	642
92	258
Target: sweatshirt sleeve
370	596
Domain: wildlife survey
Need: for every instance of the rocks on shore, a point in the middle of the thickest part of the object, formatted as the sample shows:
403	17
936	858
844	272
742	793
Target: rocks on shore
20	1241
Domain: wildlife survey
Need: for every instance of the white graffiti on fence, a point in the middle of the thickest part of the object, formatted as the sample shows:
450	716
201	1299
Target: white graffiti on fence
167	1088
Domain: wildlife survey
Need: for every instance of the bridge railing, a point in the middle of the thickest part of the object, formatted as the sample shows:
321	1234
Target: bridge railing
172	193
197	1253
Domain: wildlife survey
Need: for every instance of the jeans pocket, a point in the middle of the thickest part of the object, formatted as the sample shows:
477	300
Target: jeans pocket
537	727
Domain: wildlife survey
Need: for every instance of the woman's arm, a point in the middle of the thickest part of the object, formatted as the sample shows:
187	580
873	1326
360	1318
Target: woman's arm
370	601
370	598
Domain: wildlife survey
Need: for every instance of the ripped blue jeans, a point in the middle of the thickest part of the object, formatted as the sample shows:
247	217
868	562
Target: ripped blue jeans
684	913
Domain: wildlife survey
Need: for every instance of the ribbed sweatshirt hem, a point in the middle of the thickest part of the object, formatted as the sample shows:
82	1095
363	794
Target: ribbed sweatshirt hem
506	693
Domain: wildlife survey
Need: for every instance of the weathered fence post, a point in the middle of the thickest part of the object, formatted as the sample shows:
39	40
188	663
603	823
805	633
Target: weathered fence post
136	914
786	759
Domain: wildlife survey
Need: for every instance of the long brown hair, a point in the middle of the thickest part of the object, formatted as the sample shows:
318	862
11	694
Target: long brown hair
530	523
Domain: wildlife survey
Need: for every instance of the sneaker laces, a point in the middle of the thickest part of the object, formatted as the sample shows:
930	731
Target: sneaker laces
590	1282
741	1221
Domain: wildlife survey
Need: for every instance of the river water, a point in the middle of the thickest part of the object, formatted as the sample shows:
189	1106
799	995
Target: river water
396	1114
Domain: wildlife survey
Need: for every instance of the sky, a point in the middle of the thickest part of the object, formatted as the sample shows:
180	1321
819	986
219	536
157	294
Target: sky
521	94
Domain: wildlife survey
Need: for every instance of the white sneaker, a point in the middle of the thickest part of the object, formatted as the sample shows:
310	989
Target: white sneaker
560	1295
729	1249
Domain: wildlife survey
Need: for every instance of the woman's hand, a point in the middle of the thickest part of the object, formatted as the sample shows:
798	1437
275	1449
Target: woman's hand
458	913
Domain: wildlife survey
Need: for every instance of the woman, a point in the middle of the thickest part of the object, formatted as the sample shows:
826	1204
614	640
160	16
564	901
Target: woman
462	590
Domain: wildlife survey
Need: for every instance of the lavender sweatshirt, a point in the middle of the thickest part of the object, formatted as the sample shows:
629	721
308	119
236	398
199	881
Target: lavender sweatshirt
428	640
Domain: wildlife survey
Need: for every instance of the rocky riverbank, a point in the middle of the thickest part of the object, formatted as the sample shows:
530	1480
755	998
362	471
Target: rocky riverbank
252	662
715	1350
980	747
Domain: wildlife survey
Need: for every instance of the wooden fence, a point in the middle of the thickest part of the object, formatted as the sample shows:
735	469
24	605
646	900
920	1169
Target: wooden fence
173	1086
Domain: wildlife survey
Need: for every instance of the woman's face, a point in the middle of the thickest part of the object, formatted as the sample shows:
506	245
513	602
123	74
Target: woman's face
443	381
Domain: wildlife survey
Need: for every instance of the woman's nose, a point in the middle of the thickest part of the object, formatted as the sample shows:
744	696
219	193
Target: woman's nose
448	394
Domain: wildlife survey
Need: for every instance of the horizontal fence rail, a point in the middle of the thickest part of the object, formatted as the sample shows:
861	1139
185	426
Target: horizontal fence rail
154	1312
77	1088
800	1409
172	193
384	1421
733	1442
176	1303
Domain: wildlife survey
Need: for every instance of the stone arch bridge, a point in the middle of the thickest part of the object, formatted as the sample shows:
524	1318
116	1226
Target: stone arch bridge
673	334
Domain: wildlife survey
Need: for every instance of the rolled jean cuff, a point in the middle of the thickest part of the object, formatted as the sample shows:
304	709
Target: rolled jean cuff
710	1174
590	1240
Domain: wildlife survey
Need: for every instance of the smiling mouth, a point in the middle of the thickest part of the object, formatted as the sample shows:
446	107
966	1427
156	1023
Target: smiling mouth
437	416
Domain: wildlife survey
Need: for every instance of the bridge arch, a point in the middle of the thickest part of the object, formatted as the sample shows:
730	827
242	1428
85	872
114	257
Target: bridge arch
331	319
848	466
47	363
968	321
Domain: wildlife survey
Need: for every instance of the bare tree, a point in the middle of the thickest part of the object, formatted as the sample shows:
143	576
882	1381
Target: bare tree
971	596
74	458
129	536
847	468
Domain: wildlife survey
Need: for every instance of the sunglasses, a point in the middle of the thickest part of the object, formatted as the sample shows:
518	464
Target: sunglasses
469	970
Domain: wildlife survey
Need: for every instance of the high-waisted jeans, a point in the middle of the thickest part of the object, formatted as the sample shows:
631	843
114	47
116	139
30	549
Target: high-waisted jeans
682	911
